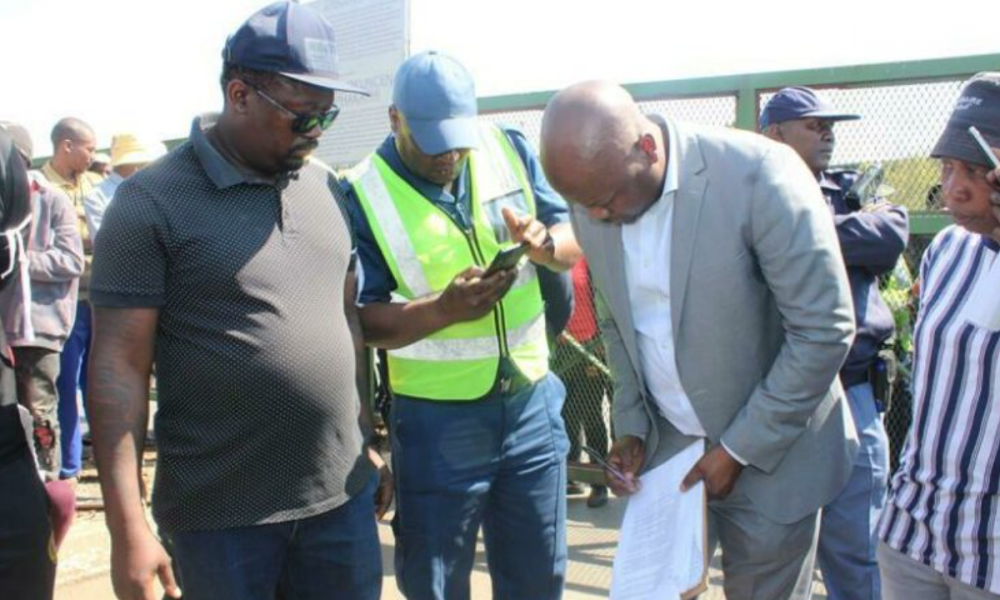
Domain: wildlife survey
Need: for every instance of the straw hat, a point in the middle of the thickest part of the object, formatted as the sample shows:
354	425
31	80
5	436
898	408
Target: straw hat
127	149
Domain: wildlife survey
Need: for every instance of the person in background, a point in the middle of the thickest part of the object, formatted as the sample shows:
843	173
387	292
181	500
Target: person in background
578	360
73	146
940	529
129	155
872	238
27	556
101	165
39	306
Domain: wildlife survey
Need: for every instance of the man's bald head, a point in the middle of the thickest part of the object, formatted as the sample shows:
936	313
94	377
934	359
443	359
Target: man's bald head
73	145
599	151
71	129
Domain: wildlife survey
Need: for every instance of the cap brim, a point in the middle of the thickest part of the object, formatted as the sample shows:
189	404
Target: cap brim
326	83
958	143
435	137
829	115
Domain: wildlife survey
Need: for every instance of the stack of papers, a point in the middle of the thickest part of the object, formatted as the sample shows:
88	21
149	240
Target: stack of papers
662	548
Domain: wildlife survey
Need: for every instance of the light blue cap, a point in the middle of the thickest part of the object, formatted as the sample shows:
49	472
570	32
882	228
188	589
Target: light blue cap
437	96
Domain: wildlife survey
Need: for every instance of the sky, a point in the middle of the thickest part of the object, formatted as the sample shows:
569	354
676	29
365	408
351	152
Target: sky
149	66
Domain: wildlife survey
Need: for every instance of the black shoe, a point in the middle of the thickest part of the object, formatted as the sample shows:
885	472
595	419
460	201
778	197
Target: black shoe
574	489
598	496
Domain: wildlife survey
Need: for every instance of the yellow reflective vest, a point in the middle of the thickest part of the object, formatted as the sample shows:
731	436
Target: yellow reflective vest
425	249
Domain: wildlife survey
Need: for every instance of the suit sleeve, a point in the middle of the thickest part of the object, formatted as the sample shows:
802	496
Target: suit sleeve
796	247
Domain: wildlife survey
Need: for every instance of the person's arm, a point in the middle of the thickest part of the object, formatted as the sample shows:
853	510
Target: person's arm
874	237
628	411
796	247
553	243
63	259
383	494
469	296
118	408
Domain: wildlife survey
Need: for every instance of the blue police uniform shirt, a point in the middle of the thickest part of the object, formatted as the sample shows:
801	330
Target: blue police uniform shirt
376	282
871	242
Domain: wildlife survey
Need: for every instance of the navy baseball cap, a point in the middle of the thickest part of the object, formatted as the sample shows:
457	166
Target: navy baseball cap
800	103
437	96
979	106
292	40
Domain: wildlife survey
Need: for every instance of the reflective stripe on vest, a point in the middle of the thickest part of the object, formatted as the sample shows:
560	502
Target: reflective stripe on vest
425	249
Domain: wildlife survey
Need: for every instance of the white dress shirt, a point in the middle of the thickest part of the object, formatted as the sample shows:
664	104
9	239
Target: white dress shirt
647	273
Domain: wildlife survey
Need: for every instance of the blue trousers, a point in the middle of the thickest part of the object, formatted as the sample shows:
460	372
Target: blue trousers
332	556
847	539
498	463
73	375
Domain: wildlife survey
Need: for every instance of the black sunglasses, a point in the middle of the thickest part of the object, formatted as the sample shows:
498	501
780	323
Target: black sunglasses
302	123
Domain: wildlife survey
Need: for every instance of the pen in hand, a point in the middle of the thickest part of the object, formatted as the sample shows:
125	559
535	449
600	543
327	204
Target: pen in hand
628	481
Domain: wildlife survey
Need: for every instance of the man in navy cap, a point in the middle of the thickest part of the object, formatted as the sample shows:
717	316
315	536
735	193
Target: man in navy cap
230	262
477	436
872	238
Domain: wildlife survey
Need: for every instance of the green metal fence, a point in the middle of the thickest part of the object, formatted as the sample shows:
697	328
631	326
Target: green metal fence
904	107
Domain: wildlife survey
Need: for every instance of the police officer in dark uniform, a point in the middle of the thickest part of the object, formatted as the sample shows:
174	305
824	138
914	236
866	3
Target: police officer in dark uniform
872	237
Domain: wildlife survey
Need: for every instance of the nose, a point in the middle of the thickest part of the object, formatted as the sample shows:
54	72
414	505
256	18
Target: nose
448	158
314	133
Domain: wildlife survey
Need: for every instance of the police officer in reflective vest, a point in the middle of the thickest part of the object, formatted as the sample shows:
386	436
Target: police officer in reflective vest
873	235
477	436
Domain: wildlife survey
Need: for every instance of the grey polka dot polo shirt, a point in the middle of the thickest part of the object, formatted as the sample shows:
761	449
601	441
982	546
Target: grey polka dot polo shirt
257	419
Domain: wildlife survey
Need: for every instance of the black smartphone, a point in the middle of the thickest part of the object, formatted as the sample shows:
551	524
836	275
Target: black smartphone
507	259
984	146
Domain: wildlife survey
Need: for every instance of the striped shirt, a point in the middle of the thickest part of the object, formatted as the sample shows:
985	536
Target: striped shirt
943	508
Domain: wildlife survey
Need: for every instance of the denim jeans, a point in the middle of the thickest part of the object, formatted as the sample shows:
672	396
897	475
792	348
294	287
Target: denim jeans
848	536
499	463
332	556
72	376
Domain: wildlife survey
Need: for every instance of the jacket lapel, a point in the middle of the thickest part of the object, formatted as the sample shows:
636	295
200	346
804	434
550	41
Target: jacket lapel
687	212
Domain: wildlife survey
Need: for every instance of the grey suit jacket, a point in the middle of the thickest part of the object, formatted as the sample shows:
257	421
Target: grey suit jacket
762	320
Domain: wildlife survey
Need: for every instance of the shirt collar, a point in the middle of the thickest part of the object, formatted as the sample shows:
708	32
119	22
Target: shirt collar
54	177
672	178
222	173
991	243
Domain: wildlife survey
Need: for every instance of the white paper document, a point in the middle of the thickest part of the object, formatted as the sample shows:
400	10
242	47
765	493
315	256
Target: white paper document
661	547
983	307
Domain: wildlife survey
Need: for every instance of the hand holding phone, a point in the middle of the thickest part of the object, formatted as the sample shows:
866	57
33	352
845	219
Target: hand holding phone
507	259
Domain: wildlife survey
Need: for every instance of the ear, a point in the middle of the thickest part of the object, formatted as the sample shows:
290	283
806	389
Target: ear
394	119
237	94
647	145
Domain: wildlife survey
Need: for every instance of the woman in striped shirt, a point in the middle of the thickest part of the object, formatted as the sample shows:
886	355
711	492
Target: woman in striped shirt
941	526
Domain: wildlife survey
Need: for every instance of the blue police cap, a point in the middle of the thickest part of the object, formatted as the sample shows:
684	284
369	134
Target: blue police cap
437	96
800	103
292	40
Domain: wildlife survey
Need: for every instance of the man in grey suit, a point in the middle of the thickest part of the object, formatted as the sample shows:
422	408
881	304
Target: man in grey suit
728	315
